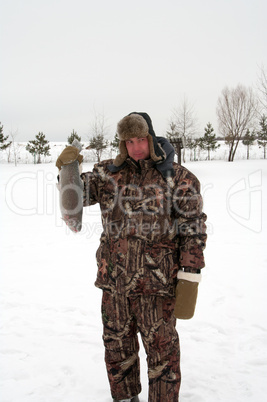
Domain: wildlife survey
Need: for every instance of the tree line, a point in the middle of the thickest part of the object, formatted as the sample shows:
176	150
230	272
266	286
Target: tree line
242	117
241	114
207	143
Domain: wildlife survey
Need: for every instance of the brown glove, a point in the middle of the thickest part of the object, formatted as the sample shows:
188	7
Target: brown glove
186	295
67	156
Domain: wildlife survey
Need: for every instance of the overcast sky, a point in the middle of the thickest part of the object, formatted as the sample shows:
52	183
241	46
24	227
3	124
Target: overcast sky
63	59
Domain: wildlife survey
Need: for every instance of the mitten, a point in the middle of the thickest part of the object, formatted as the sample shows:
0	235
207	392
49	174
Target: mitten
69	155
186	294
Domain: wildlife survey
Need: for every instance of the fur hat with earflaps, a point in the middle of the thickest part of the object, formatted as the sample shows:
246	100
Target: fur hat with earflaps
138	125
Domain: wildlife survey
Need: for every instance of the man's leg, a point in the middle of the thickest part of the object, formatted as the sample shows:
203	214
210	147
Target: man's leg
156	323
121	346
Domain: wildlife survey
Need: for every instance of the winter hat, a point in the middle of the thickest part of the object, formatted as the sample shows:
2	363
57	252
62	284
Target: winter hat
137	124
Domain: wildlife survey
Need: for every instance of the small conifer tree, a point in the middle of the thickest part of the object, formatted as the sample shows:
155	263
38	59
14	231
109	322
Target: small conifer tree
4	144
192	144
262	134
209	141
39	146
98	144
73	136
248	140
115	142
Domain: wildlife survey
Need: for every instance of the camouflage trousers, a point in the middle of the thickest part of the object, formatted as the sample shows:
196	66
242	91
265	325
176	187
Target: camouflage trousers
123	317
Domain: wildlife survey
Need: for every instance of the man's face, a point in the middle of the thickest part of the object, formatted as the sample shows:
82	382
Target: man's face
138	148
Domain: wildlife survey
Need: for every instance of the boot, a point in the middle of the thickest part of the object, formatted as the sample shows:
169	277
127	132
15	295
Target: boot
134	399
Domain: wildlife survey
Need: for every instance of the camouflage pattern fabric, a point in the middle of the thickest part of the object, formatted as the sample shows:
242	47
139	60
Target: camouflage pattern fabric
151	226
153	317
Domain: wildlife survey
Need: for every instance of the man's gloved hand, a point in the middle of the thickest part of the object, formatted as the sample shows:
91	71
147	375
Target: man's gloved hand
67	156
186	295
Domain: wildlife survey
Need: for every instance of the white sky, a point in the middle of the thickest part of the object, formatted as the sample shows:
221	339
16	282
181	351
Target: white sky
60	59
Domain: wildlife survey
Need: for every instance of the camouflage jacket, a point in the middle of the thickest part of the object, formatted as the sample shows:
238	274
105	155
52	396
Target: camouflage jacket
151	226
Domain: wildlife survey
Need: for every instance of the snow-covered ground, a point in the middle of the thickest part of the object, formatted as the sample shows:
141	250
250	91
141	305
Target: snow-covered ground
51	333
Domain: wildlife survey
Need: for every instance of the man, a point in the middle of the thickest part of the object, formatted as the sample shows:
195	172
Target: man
149	258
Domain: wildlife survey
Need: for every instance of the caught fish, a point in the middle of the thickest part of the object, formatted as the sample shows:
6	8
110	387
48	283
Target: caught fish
71	193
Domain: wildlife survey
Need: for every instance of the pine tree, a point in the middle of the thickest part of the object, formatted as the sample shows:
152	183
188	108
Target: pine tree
208	141
115	142
192	144
73	136
98	144
262	134
3	144
248	140
39	146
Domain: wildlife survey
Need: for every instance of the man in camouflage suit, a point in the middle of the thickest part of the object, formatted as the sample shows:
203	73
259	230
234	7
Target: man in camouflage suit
149	258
